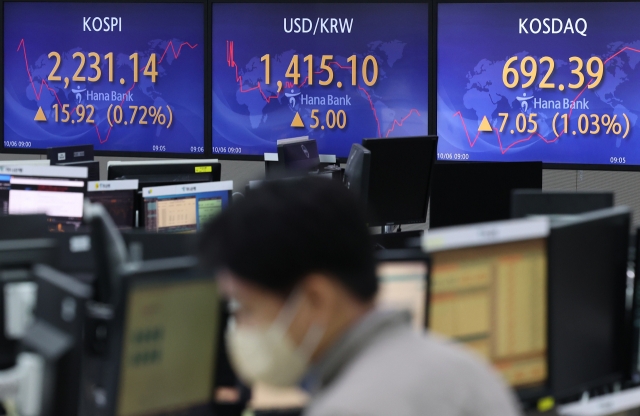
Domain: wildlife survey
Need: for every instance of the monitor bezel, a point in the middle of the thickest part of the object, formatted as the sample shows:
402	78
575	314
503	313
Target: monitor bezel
429	184
433	82
208	110
570	222
634	370
431	131
363	191
468	236
53	172
132	192
216	167
219	187
407	255
165	271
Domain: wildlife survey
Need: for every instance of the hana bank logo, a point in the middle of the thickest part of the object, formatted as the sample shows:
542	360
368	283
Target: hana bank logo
292	95
524	104
78	92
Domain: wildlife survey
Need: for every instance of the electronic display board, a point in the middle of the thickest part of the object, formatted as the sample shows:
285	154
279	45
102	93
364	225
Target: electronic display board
550	82
336	72
125	77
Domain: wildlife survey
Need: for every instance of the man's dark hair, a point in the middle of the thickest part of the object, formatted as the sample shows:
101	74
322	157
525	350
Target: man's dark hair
287	229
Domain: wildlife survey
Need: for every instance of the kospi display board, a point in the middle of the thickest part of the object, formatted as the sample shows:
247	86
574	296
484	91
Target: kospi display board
125	77
555	82
336	72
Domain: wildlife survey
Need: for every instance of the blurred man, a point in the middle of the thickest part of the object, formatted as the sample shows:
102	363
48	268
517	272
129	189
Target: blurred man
296	262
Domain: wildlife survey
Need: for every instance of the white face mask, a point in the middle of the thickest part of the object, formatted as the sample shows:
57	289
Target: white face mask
268	354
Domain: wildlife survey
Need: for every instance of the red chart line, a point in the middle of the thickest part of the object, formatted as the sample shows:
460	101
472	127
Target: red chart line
503	150
44	84
544	139
232	63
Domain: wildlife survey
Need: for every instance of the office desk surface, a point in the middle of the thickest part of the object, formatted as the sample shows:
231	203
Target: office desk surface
266	397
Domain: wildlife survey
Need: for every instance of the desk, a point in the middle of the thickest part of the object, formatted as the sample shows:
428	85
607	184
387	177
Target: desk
264	397
623	403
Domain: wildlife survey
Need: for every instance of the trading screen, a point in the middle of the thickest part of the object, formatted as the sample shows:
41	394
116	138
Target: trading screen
335	72
403	286
183	213
60	199
121	76
119	204
493	299
551	82
168	348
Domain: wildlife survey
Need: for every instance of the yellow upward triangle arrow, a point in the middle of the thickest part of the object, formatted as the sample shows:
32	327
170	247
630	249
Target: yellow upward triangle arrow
297	121
40	115
484	125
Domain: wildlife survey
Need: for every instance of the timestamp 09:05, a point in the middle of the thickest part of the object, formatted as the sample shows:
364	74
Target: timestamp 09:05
453	156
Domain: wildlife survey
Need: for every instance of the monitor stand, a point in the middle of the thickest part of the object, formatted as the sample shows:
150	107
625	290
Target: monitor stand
397	240
387	229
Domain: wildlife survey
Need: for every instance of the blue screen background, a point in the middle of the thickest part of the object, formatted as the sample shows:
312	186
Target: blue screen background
474	42
248	120
36	29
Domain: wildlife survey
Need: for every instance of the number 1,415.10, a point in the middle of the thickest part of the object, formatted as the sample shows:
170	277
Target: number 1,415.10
369	69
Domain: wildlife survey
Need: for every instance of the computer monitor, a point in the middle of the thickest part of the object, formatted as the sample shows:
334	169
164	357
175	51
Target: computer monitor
78	156
57	336
356	174
273	167
163	345
146	245
24	253
588	258
541	298
165	172
93	167
526	202
19	227
400	178
17	258
26	162
299	156
70	154
118	197
184	208
403	276
75	255
470	192
488	291
57	191
634	314
292	140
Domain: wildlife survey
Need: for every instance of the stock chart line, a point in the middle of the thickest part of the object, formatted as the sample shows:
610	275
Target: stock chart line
503	149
